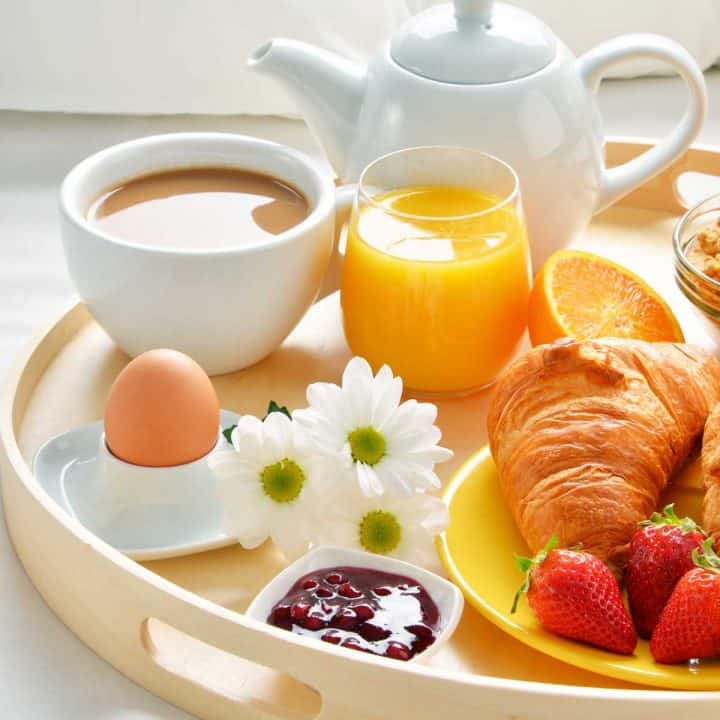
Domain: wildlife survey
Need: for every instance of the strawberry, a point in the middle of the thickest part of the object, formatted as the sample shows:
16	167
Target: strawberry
660	554
689	625
574	594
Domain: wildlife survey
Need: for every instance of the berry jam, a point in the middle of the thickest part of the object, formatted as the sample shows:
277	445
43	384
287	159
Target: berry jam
362	609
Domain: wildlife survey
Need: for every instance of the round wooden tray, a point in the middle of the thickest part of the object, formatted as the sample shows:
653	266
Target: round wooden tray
176	626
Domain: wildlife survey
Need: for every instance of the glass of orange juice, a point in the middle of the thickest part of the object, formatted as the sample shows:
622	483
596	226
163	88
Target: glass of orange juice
436	277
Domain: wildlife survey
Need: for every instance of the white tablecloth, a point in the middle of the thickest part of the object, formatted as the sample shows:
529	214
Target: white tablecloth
45	672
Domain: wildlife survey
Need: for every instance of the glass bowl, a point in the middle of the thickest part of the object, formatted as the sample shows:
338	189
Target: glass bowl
701	290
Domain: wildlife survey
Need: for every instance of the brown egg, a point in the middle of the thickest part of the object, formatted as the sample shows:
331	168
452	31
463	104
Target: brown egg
161	410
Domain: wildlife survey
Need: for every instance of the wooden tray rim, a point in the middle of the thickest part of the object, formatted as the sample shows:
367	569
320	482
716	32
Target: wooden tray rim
321	666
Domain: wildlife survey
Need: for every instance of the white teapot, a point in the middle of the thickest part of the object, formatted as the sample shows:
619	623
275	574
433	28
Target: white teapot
490	76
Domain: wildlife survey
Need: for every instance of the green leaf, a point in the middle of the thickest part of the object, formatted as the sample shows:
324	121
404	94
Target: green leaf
549	546
709	559
525	565
274	407
227	432
669	517
522	591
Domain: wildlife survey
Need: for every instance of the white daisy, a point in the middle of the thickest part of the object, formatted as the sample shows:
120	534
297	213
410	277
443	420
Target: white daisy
382	444
268	484
402	527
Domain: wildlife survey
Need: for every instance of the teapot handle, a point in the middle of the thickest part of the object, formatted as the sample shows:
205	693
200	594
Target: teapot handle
618	181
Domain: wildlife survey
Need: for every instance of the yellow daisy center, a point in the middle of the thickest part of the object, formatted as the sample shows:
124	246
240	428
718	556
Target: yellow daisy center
367	445
282	481
380	532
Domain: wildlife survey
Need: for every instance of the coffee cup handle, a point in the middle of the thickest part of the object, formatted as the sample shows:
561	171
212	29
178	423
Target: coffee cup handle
344	199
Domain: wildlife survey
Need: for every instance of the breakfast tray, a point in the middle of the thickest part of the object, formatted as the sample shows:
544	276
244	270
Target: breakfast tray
176	626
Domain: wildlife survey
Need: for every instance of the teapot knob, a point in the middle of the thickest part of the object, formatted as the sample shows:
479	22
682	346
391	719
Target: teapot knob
475	11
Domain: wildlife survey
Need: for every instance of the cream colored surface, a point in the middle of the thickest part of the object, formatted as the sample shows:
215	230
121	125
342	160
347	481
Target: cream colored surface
107	599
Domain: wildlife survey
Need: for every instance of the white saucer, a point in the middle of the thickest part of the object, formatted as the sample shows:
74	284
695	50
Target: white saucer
68	466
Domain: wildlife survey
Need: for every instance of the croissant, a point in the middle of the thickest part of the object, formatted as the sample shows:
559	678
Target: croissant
586	434
711	474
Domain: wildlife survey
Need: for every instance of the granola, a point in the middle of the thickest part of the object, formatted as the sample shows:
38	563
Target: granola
704	253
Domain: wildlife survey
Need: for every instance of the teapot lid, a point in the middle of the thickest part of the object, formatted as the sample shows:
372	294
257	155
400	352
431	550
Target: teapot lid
473	42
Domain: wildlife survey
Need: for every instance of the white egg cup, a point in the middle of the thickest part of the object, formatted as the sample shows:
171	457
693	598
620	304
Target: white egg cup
445	595
146	513
132	506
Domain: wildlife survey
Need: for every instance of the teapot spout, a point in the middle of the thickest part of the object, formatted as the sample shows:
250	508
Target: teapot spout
327	89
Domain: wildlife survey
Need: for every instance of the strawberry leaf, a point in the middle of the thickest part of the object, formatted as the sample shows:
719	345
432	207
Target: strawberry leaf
525	565
709	559
669	517
521	591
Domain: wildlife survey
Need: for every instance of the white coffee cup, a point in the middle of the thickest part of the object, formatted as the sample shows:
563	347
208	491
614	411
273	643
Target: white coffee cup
226	308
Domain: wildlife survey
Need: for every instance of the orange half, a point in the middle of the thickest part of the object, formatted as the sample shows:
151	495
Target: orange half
581	295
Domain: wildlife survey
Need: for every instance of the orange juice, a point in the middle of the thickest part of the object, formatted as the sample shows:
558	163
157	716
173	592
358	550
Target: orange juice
436	283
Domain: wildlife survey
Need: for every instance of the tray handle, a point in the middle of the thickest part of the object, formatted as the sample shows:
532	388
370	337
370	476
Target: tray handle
349	684
188	636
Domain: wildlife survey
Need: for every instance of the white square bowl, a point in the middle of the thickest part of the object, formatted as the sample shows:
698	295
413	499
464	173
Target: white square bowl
445	595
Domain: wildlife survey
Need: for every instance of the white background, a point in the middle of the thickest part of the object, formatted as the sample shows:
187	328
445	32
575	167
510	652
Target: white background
178	56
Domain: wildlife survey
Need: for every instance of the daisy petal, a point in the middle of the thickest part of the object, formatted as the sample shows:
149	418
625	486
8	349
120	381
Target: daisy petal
401	419
286	537
427	513
387	401
323	436
239	474
250	527
357	394
324	400
246	437
277	436
368	480
415	439
421	552
358	373
430	455
437	516
426	480
382	381
342	533
396	477
425	413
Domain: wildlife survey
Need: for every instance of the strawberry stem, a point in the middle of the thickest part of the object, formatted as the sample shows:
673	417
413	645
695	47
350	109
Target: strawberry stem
709	559
526	565
669	517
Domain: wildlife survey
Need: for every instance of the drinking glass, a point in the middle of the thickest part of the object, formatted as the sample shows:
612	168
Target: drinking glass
436	277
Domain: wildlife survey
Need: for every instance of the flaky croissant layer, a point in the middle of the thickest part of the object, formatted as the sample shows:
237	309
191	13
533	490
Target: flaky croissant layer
711	475
586	434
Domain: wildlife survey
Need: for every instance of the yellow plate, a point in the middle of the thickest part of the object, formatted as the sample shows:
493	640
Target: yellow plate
477	551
